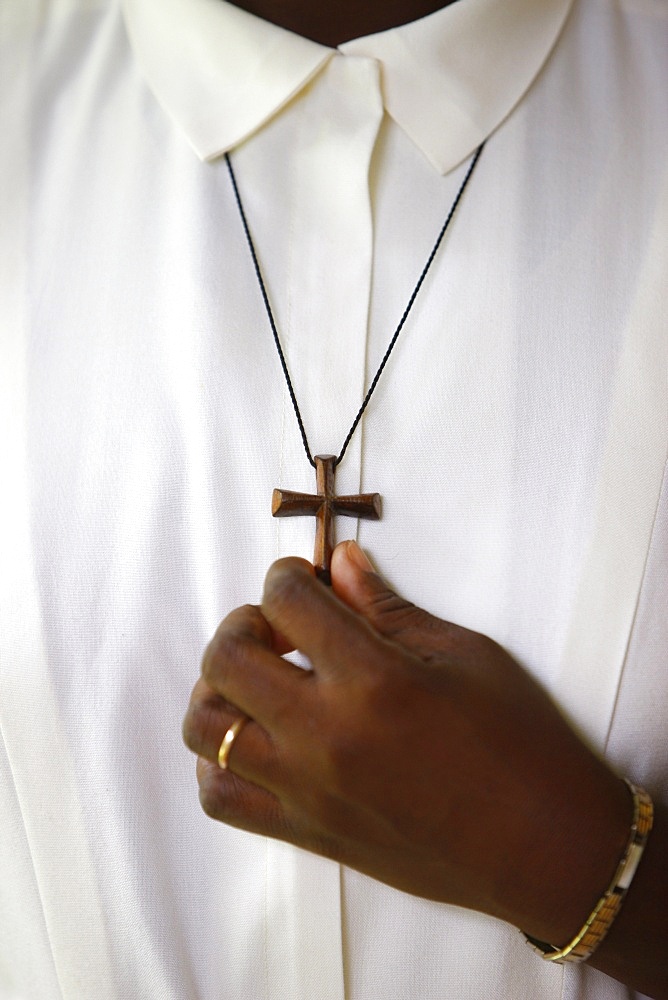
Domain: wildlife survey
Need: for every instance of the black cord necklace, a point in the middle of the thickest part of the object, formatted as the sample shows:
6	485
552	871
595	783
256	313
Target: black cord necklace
324	505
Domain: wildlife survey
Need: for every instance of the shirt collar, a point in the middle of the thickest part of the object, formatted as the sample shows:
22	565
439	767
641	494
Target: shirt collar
449	79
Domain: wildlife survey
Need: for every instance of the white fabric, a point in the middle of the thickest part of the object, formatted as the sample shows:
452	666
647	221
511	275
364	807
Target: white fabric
145	423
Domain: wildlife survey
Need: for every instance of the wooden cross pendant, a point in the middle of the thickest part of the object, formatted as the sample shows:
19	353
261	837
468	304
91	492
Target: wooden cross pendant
324	506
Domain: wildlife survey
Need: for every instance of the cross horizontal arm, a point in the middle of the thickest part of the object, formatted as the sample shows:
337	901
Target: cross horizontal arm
285	503
366	505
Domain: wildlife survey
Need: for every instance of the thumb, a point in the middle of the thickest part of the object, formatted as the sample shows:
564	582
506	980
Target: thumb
356	583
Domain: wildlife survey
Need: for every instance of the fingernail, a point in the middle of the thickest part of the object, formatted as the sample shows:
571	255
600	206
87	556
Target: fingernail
360	558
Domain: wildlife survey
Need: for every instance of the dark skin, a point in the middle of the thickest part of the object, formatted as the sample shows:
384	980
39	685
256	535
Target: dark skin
421	754
332	24
416	751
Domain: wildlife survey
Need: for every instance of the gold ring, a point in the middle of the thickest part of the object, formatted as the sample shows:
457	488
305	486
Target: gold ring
228	741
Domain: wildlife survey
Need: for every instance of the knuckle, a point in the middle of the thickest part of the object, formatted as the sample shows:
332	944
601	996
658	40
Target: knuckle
202	722
214	796
390	607
208	801
231	646
396	616
223	795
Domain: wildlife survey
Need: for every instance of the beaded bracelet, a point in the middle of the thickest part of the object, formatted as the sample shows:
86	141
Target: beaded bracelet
587	940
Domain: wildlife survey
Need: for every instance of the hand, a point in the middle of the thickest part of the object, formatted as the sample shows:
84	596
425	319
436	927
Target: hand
415	751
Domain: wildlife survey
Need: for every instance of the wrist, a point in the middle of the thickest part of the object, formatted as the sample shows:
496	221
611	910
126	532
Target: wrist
579	834
595	929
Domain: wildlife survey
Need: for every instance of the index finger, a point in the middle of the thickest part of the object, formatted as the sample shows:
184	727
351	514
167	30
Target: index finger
241	665
315	621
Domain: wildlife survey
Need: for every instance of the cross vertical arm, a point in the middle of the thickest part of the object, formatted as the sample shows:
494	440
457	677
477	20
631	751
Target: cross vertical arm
324	505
